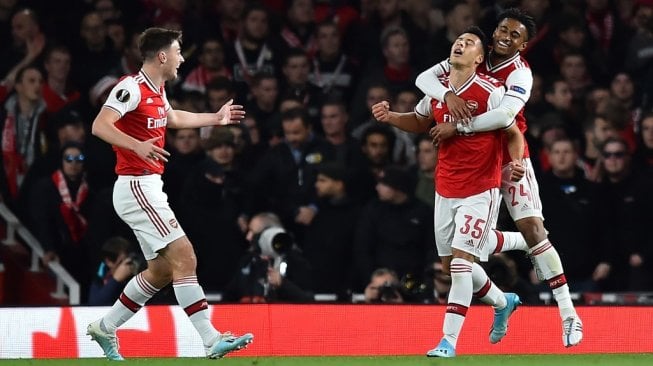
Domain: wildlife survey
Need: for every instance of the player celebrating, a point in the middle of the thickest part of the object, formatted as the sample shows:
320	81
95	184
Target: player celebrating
505	63
134	120
468	176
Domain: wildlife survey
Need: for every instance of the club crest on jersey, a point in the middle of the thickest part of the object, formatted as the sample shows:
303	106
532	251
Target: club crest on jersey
472	105
173	223
122	95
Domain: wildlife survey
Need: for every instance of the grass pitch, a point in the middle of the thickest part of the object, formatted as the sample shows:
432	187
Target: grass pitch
476	360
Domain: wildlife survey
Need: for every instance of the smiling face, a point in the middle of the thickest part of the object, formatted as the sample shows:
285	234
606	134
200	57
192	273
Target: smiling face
174	59
510	37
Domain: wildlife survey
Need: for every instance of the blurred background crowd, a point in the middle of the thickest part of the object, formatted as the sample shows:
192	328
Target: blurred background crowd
309	194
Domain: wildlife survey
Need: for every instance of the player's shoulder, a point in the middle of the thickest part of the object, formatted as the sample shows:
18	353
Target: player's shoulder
521	63
487	81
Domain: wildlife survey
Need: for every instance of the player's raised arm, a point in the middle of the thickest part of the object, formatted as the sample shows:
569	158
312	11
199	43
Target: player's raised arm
411	122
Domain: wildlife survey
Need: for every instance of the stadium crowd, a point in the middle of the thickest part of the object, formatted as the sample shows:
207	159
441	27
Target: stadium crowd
350	198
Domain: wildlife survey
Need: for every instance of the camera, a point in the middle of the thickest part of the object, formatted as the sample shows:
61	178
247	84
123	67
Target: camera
273	241
389	292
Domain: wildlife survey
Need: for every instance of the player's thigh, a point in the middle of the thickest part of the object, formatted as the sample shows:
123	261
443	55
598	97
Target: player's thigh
474	220
443	224
141	203
522	198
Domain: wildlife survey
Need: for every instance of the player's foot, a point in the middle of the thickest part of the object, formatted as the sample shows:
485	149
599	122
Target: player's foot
443	349
500	324
107	341
227	342
572	331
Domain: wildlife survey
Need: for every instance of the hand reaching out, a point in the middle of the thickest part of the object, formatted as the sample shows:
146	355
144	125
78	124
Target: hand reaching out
230	113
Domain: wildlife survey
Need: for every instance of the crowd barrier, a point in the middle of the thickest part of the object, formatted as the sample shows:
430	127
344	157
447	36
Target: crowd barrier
319	330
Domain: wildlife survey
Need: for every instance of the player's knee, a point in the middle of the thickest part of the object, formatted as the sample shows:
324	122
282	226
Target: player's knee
532	228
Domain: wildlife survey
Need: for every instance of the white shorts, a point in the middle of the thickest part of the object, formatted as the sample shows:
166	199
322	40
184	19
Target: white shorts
465	223
522	198
141	203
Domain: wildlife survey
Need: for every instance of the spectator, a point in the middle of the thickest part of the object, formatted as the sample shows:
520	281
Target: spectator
624	216
332	70
117	266
457	17
187	153
211	65
298	31
263	105
643	157
395	230
274	270
29	43
296	70
58	208
570	204
211	205
252	52
23	134
330	236
383	287
57	90
284	179
427	159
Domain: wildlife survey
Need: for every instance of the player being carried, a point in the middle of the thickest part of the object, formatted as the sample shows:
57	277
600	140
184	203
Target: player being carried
468	176
506	64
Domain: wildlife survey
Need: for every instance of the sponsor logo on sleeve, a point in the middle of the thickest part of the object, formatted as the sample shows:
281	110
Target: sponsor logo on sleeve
518	89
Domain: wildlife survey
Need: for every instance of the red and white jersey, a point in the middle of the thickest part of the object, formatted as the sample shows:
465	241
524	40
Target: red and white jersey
467	165
516	75
143	109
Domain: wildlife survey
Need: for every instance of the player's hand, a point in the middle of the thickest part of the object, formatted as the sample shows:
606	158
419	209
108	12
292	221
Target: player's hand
230	113
517	171
151	153
441	132
457	107
381	111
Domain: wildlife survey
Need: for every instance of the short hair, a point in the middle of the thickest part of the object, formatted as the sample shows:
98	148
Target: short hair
56	48
526	20
618	140
252	7
335	101
549	86
22	70
294	113
260	76
153	40
478	32
294	52
391	32
113	247
385	271
379	129
220	83
269	219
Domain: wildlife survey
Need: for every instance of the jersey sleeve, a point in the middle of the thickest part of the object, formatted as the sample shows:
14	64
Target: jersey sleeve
124	97
429	83
519	84
423	108
495	98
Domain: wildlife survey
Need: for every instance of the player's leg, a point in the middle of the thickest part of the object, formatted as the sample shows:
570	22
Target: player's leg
190	296
505	241
523	202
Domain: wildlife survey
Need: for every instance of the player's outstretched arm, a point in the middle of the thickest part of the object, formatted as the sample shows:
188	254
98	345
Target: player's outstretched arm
411	122
229	114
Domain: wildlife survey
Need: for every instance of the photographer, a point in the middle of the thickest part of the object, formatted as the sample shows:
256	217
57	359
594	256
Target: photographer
274	270
117	267
384	287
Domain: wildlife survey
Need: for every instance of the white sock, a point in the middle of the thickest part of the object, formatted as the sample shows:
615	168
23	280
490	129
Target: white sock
133	297
460	297
547	260
485	289
503	241
191	298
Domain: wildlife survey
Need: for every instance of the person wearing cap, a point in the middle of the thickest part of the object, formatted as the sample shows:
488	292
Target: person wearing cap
330	236
395	230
